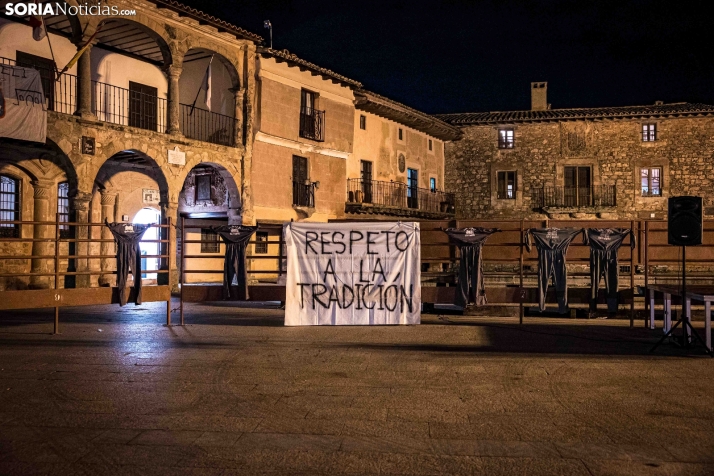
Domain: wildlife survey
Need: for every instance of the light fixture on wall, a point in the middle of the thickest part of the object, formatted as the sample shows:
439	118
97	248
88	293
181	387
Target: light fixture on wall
269	26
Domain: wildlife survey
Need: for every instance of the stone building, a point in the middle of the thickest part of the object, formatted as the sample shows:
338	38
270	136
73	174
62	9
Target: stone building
609	162
133	136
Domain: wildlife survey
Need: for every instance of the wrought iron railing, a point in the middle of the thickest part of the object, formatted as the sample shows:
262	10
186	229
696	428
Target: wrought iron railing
304	194
207	126
570	197
60	92
399	195
312	124
128	108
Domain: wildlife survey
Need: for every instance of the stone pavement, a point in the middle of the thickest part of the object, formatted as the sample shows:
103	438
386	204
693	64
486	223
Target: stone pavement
235	392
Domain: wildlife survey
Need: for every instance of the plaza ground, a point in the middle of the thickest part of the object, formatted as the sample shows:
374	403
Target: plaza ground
235	392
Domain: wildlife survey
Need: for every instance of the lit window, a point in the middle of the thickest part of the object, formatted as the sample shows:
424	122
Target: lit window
649	132
507	185
63	207
505	139
9	206
262	247
432	184
363	122
209	241
651	182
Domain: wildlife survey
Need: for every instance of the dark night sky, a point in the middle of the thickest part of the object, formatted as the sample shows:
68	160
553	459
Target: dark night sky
456	56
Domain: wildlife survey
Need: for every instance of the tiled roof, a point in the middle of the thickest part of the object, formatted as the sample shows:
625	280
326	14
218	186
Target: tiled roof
398	112
204	18
681	109
285	55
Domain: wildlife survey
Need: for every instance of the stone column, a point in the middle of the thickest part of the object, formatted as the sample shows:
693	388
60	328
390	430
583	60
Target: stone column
107	248
173	118
80	204
169	209
239	95
84	86
42	193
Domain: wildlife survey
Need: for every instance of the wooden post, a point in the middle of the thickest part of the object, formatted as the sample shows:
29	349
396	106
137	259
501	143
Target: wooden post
182	274
57	236
632	276
520	304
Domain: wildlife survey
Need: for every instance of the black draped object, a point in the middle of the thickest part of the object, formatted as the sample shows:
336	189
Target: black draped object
127	238
552	245
604	245
470	241
235	237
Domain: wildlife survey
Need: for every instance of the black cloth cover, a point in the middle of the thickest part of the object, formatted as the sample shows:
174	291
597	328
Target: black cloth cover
604	245
552	245
127	238
235	237
470	241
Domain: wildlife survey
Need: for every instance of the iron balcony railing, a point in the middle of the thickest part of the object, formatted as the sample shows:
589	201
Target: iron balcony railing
128	108
207	126
399	195
570	197
304	194
60	92
312	124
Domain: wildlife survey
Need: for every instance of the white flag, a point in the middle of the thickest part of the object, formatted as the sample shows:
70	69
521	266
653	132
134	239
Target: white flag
206	85
38	29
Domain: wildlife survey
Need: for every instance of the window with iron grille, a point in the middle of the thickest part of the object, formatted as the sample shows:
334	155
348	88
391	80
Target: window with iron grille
505	139
209	241
651	181
63	207
649	132
9	206
363	122
261	248
507	185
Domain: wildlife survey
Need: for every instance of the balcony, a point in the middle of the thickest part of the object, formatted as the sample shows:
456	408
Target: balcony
304	194
312	124
575	197
129	107
398	199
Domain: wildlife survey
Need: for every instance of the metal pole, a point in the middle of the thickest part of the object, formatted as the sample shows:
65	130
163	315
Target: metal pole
632	276
646	241
57	235
685	313
182	273
520	305
168	269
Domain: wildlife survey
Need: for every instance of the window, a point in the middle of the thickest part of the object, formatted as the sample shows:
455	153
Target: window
431	145
505	139
363	122
507	185
312	121
401	134
432	184
143	104
412	188
262	247
651	182
63	207
203	187
649	132
46	68
576	191
9	206
209	241
366	176
302	189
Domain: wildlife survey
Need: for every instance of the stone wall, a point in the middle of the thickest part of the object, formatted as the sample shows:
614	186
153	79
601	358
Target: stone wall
684	149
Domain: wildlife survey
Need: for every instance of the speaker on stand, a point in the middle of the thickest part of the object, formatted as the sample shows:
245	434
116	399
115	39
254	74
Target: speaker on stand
685	227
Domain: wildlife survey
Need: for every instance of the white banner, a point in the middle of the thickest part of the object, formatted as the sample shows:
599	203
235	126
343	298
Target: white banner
353	274
23	113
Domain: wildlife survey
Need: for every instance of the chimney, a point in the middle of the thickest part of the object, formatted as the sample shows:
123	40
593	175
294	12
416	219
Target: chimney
539	96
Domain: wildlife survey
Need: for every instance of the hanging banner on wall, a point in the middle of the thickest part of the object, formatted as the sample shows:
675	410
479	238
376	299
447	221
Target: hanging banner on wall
23	112
353	273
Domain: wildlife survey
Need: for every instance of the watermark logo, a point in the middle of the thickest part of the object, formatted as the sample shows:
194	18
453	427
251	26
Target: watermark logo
98	8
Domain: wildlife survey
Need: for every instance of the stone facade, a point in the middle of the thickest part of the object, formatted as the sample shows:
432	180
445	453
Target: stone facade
612	148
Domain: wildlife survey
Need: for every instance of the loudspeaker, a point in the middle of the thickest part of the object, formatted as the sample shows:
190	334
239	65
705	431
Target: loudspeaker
684	221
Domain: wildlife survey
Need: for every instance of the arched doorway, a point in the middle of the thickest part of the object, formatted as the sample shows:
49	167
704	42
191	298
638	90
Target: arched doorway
149	248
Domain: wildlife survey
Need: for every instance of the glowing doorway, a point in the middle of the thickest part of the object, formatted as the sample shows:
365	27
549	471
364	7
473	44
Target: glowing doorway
149	216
